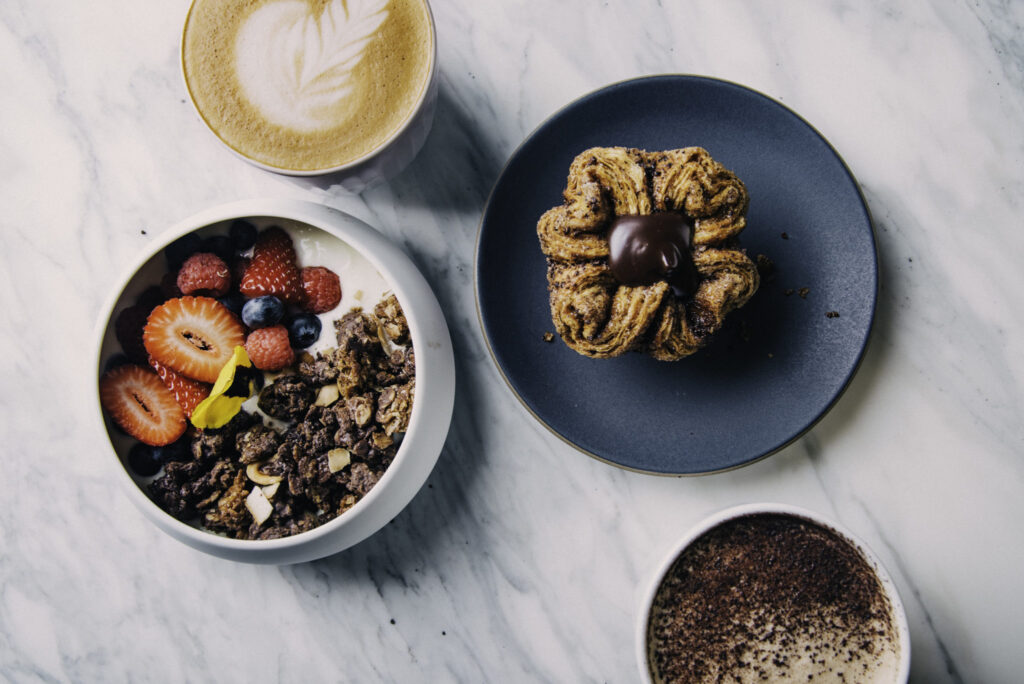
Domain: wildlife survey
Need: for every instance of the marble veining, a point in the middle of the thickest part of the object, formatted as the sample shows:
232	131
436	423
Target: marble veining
521	560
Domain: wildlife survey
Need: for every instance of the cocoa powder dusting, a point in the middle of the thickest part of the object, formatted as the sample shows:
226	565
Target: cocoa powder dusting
768	597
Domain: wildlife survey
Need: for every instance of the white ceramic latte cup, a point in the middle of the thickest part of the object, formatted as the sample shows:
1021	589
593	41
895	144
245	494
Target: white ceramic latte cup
428	423
648	594
378	165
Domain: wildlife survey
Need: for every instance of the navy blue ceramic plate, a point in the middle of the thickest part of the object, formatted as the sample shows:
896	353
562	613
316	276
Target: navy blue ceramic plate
778	364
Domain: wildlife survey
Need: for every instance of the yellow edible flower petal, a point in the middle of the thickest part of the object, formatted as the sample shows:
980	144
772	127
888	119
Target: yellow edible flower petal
219	408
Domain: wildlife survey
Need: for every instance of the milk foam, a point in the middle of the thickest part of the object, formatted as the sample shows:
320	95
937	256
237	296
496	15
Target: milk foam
295	67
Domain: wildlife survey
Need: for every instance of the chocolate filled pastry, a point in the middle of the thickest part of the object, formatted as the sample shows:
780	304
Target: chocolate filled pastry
643	255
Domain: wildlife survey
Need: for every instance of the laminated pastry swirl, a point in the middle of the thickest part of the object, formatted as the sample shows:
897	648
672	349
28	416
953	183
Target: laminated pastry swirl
598	316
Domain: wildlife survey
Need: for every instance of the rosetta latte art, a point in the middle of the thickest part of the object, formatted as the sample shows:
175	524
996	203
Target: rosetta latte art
294	67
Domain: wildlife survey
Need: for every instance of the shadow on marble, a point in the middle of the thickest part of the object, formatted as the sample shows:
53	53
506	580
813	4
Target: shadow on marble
454	171
420	540
890	220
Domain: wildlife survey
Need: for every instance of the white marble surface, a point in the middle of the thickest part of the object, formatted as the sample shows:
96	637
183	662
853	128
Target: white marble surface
522	559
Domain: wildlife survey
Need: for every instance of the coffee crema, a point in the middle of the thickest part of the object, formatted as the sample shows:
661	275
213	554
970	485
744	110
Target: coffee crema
772	597
307	85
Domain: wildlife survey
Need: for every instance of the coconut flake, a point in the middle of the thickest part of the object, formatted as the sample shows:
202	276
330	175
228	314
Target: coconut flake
259	506
327	395
338	459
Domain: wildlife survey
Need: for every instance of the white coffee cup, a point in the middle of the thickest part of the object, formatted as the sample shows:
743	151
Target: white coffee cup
647	599
348	118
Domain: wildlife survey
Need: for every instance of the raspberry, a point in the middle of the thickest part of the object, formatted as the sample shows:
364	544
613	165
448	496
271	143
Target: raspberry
269	349
321	289
205	274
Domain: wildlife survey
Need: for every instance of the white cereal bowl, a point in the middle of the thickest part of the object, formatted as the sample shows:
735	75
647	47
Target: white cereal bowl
647	598
432	407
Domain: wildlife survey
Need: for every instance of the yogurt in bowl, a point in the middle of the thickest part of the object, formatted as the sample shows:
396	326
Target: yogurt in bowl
345	420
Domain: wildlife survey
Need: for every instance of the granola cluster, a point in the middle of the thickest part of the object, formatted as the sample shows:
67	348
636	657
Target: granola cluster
345	409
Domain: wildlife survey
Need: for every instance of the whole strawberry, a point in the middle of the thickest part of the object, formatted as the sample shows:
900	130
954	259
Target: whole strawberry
269	348
187	392
204	274
273	269
321	289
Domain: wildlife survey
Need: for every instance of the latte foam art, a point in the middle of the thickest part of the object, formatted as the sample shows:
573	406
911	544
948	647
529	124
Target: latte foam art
295	67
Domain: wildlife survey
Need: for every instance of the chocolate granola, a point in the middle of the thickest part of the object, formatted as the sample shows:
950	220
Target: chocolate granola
345	410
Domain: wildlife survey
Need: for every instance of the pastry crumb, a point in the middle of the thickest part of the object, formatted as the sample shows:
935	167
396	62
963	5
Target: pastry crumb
803	292
549	337
831	314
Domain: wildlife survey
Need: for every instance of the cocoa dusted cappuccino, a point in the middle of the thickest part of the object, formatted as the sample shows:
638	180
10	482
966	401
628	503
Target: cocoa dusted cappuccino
772	597
307	85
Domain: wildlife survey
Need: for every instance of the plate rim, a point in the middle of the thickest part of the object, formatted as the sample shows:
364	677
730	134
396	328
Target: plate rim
868	335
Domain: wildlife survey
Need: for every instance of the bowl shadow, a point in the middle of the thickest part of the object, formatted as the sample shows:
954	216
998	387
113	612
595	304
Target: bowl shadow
453	172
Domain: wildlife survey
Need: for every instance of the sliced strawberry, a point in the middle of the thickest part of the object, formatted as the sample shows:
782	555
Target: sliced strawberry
138	401
187	392
273	269
194	336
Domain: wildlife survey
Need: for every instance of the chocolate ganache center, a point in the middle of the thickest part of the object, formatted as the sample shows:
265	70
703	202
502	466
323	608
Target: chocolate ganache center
644	250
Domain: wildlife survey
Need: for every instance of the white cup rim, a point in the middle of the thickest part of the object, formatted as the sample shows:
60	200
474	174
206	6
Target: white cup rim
354	164
743	510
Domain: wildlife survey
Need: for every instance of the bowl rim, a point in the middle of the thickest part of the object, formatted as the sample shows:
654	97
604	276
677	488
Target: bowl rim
431	377
353	164
646	600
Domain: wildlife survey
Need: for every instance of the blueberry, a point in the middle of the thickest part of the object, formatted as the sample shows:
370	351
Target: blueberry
233	302
182	249
178	451
262	311
145	460
243	235
152	297
303	330
221	245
